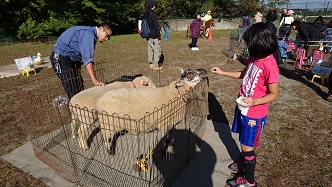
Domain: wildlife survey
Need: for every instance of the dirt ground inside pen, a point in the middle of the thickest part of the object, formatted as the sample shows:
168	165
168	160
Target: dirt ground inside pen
296	144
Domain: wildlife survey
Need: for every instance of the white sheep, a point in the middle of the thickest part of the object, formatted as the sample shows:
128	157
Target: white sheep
83	105
124	104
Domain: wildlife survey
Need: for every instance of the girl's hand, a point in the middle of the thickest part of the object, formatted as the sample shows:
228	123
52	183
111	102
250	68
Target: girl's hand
216	70
247	102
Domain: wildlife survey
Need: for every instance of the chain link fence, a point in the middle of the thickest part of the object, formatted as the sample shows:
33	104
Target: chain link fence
310	10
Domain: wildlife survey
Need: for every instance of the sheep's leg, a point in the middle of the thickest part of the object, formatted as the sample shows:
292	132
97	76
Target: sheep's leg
86	120
73	126
165	146
106	132
110	147
82	135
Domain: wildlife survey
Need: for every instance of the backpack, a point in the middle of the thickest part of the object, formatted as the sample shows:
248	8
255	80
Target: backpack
145	29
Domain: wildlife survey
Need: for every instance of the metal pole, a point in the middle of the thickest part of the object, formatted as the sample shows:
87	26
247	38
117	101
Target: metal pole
327	7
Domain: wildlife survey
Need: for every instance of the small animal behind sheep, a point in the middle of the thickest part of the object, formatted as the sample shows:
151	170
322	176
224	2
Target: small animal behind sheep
37	60
120	109
83	105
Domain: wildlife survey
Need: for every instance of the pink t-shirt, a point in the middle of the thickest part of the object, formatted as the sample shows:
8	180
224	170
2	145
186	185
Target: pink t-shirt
259	74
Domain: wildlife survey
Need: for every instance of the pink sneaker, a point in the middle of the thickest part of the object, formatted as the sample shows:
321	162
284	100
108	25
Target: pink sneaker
240	182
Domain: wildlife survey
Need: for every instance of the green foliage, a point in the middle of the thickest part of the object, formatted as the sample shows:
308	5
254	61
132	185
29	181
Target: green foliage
32	18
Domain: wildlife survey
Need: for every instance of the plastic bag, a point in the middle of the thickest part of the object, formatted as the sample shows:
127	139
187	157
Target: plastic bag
60	106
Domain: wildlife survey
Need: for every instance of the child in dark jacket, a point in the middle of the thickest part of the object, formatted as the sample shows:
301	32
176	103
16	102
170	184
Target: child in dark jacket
195	29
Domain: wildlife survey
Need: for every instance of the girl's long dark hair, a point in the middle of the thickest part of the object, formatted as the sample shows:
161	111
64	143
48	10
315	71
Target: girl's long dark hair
260	40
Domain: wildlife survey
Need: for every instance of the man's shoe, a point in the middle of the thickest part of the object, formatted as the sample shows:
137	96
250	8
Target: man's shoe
329	98
240	182
194	49
157	68
151	66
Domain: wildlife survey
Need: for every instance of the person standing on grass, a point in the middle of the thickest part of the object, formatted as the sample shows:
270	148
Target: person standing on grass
270	17
74	48
154	41
195	32
245	24
283	14
285	24
258	16
259	87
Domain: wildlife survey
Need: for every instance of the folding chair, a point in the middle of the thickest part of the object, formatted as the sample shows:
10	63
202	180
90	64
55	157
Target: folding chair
291	44
316	55
301	56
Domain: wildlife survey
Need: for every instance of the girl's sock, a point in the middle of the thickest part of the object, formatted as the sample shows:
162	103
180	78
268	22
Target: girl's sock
249	166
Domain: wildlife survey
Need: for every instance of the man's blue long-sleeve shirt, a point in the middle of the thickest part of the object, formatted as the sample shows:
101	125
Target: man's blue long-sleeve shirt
77	43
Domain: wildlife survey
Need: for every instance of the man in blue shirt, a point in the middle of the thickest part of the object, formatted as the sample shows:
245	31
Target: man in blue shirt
75	47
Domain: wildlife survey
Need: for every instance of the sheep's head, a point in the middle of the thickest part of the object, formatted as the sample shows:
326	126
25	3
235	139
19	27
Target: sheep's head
195	75
143	82
184	86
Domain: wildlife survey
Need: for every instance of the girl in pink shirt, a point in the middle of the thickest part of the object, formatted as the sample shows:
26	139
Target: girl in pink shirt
259	87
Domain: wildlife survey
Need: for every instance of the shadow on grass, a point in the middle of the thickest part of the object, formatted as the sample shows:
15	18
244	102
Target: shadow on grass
303	76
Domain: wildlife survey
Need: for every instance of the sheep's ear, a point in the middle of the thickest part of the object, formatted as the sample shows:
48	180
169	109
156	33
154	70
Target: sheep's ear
181	70
179	83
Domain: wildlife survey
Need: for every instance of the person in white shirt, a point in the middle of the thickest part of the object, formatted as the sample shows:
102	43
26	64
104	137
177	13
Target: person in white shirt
207	16
285	24
207	22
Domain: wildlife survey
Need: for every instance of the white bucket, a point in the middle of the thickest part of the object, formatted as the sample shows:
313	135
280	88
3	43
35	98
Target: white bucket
244	110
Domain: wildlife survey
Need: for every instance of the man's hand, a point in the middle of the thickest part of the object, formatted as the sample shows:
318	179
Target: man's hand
92	74
98	83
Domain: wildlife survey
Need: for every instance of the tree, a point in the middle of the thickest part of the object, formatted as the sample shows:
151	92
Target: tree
33	18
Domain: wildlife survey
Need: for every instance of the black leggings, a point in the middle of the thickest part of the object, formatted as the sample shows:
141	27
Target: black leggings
70	75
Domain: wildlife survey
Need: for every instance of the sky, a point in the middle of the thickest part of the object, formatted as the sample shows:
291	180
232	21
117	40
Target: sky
310	4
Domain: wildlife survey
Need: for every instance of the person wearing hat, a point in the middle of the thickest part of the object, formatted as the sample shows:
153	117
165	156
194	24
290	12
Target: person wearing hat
154	41
207	21
284	26
207	16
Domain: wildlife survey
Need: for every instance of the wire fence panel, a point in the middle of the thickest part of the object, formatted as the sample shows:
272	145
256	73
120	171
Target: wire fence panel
120	150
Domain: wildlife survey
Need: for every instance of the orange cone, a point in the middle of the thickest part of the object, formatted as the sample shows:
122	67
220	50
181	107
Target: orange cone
210	34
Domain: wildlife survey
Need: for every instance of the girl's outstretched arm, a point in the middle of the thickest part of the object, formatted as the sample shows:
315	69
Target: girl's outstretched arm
232	74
